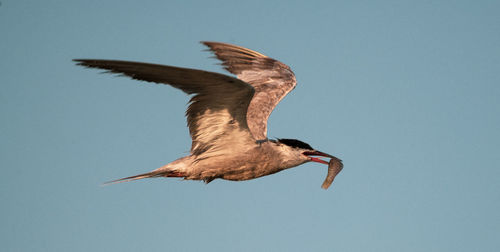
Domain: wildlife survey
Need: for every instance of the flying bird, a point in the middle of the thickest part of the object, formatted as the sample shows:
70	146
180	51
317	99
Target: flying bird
226	116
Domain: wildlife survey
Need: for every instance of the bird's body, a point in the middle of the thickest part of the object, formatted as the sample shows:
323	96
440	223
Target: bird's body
252	160
227	116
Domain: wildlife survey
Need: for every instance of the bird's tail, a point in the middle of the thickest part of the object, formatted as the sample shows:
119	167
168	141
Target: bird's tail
176	169
153	174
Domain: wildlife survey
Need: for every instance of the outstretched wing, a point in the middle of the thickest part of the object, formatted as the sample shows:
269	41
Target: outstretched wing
271	79
217	111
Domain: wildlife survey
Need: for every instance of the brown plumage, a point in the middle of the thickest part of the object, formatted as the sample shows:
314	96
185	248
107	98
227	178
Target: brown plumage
271	79
227	116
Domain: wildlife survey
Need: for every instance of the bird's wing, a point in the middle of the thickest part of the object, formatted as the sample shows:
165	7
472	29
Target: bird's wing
217	111
271	79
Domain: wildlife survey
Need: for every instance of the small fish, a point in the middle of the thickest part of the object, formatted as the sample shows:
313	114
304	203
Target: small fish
334	167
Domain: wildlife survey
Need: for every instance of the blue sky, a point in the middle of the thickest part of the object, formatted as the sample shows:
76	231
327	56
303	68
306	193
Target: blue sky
405	92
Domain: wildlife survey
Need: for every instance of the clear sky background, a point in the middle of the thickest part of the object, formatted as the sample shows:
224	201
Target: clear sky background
405	92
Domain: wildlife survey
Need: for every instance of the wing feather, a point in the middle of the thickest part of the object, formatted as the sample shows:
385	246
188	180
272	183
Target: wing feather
271	79
217	110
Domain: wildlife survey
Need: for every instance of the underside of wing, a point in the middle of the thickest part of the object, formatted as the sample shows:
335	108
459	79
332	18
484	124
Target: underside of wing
217	110
271	79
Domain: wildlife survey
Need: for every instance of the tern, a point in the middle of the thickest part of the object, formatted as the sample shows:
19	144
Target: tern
227	116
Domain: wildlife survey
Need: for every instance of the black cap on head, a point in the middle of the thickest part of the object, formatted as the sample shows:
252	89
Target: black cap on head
295	143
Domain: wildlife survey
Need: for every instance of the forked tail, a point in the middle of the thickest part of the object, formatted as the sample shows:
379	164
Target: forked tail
153	174
176	169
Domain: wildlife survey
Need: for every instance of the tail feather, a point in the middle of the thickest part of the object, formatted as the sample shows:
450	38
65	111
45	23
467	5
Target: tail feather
153	174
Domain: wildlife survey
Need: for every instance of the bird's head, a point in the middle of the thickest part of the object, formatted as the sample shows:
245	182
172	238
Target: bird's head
303	152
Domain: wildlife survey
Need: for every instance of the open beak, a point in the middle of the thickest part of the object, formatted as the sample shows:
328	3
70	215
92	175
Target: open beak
317	153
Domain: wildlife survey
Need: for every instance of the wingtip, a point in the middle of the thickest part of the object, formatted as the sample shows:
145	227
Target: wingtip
212	44
207	44
82	62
